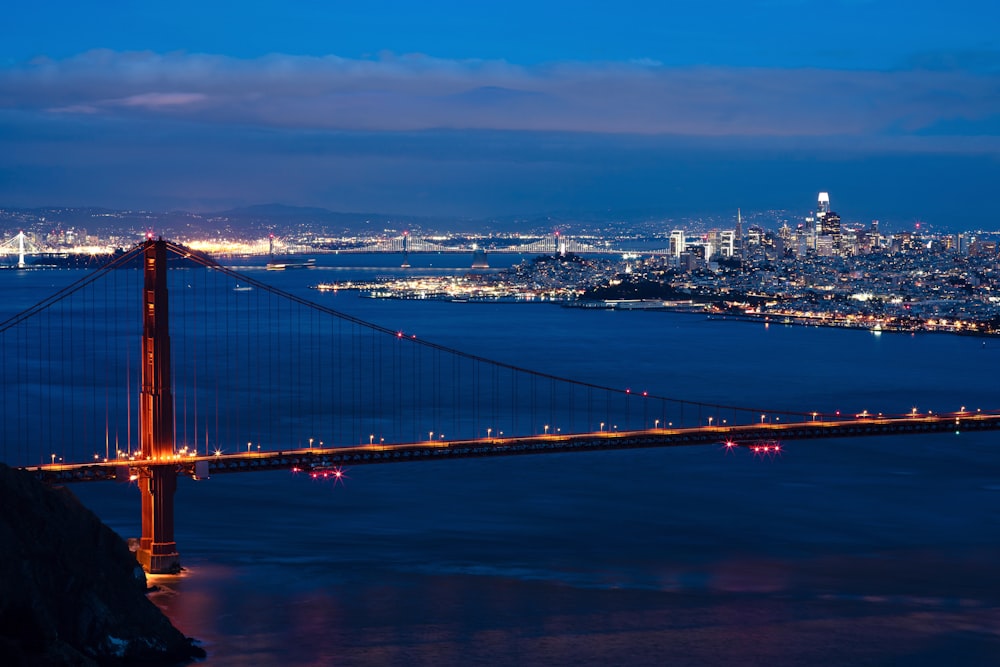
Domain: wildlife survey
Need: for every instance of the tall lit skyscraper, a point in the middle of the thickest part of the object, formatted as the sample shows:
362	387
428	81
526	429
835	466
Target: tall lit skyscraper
822	205
827	222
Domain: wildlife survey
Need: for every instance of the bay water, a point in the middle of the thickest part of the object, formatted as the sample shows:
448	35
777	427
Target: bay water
868	551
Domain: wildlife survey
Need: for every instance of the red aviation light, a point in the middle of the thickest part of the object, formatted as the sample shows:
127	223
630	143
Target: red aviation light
338	475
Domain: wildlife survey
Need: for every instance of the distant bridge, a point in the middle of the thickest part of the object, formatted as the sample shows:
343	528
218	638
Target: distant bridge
555	244
20	245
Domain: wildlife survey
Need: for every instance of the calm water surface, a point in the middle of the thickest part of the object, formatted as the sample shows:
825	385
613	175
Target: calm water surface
875	551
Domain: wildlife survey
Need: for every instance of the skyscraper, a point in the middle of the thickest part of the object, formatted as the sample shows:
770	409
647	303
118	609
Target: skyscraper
738	240
677	242
822	205
827	222
830	225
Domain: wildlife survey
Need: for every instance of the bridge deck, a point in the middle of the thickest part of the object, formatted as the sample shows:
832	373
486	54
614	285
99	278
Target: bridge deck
319	458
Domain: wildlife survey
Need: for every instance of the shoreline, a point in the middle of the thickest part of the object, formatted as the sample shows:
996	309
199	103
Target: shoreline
686	307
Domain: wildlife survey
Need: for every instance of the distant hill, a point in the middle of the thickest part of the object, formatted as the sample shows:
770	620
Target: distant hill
280	216
259	220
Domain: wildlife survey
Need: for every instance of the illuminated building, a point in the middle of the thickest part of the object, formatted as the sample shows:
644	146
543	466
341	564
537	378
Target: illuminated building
676	242
737	248
827	221
727	244
830	225
822	205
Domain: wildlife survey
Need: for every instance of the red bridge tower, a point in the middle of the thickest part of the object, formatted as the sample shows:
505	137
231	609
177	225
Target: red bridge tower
158	479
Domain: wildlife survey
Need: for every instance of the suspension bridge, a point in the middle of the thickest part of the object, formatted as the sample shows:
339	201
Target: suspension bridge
554	244
163	363
20	246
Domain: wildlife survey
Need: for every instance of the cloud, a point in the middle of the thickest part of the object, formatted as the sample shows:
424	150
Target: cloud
160	100
414	92
152	101
424	135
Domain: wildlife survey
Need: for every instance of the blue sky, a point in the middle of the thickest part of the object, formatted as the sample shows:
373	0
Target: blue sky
457	108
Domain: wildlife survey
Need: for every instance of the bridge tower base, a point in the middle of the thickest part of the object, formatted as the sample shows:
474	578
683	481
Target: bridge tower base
157	550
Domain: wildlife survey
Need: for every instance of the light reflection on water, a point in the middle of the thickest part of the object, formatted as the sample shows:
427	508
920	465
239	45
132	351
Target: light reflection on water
680	556
460	620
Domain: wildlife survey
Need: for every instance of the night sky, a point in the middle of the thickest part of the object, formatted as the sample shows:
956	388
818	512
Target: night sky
515	108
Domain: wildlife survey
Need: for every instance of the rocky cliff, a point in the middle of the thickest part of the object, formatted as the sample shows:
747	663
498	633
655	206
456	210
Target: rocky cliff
71	592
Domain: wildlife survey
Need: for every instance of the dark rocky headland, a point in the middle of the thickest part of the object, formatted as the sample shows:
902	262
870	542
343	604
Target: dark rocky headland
71	592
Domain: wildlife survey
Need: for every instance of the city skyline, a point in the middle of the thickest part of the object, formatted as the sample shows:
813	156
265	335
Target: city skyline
449	110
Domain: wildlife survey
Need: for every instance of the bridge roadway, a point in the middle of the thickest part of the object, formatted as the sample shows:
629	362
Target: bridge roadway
320	459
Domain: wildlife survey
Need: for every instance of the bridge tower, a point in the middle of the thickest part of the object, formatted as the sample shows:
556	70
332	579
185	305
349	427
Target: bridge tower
158	480
406	250
20	249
